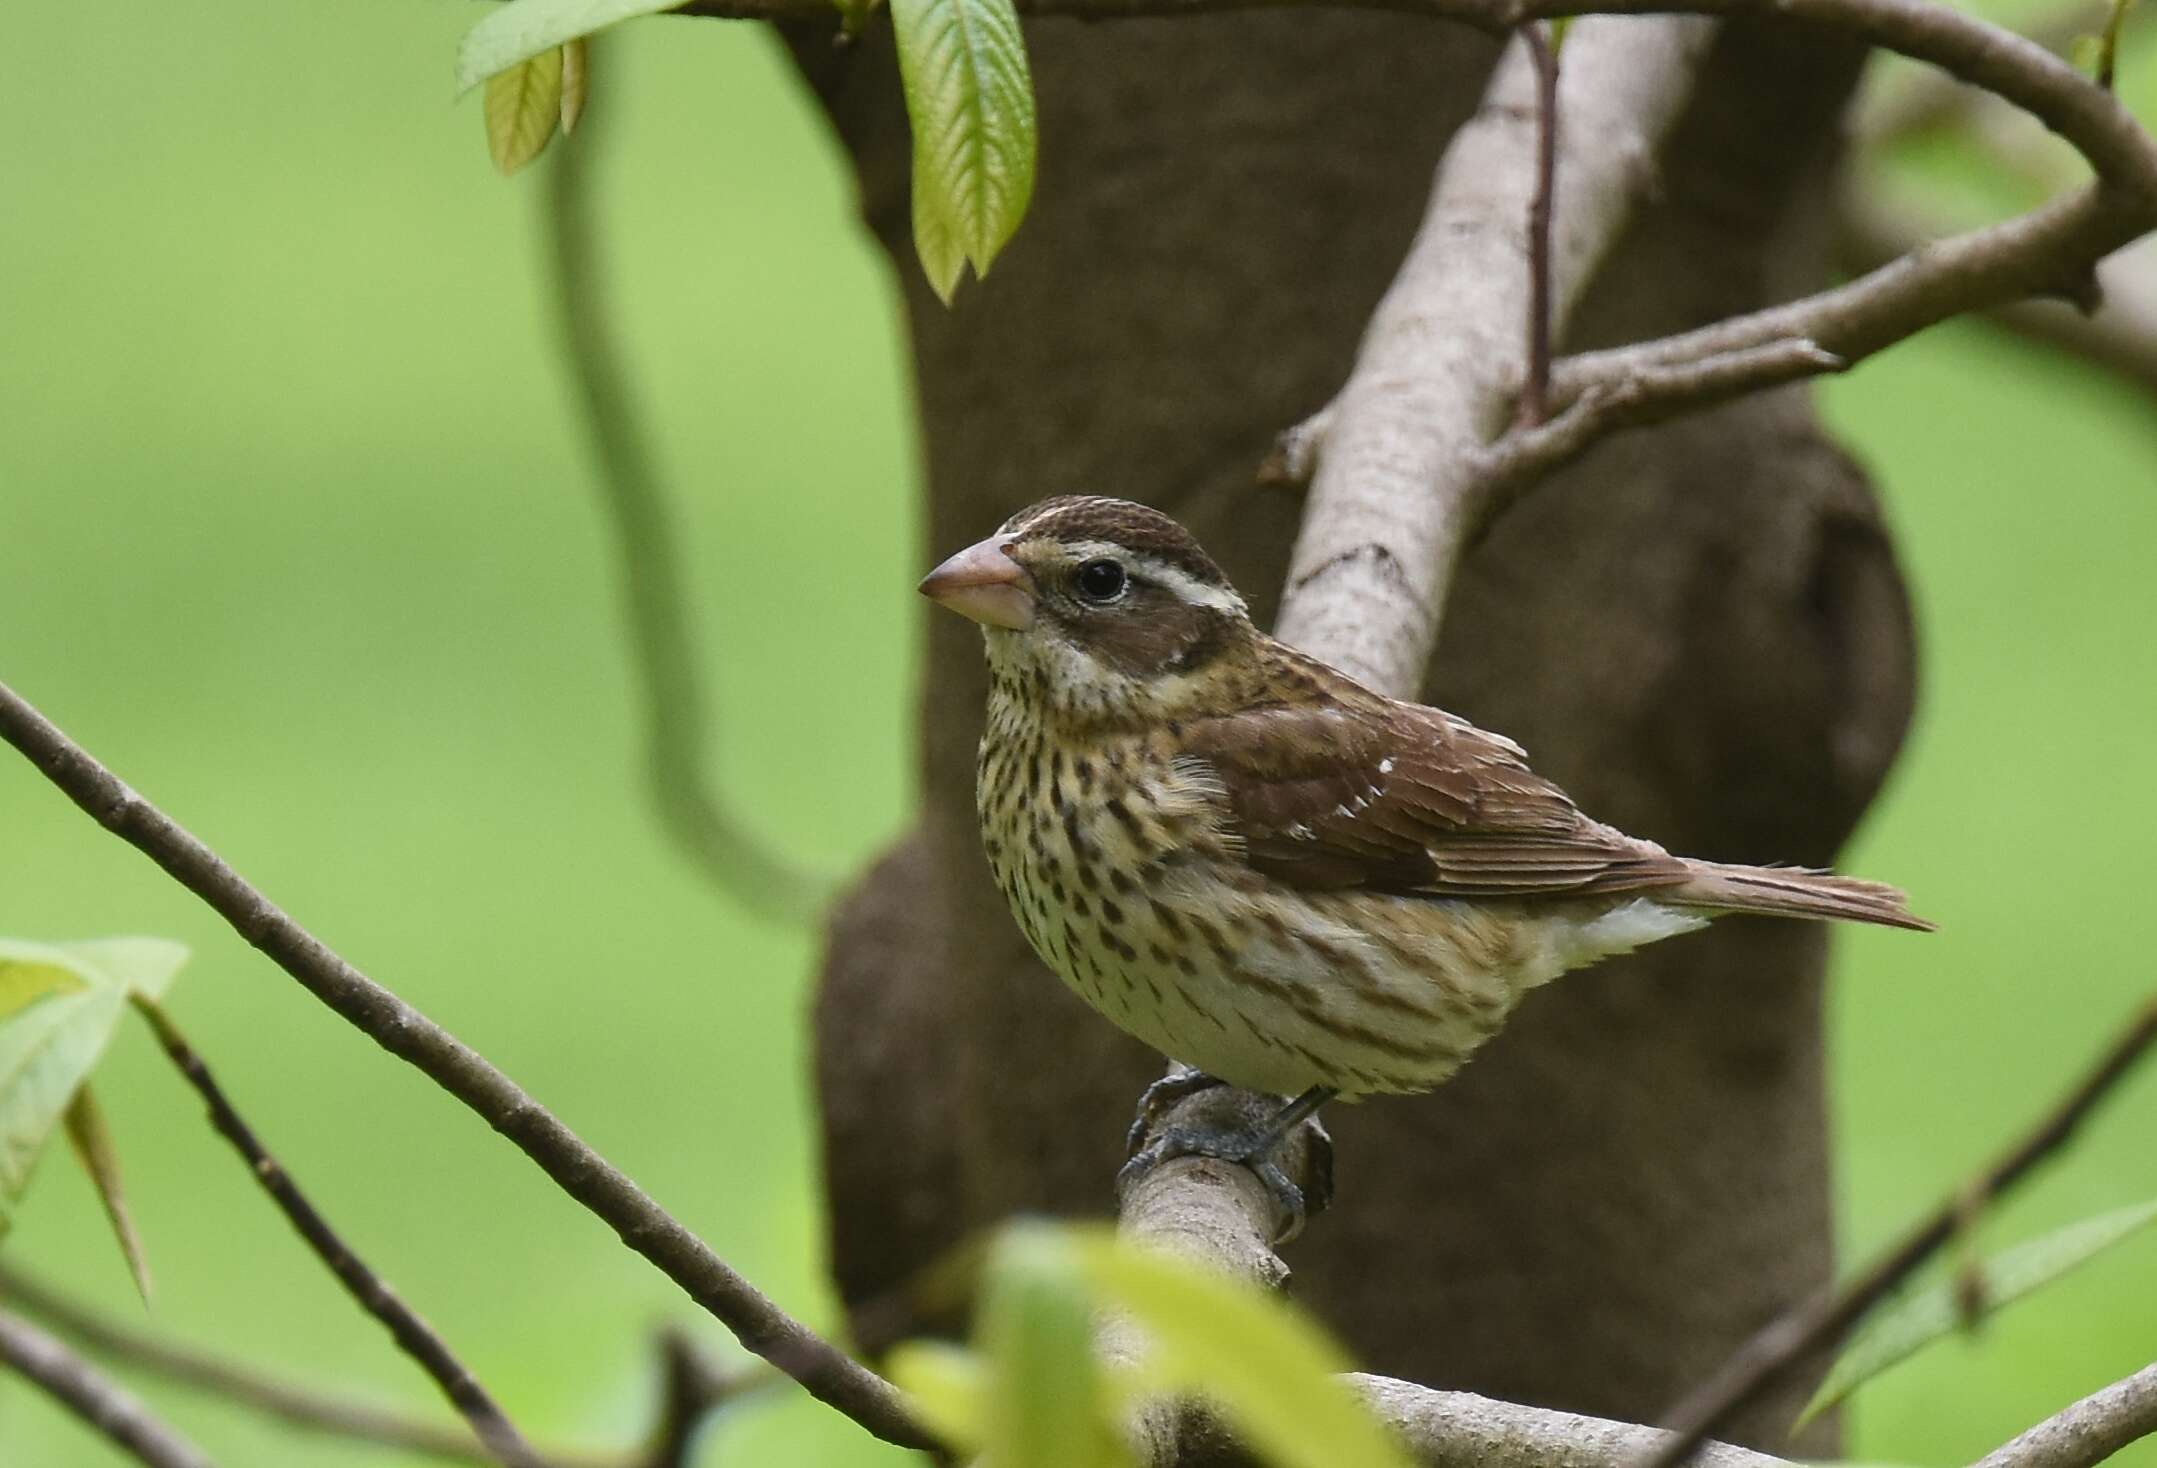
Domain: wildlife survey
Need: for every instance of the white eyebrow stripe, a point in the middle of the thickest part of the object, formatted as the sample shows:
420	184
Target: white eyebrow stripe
1187	587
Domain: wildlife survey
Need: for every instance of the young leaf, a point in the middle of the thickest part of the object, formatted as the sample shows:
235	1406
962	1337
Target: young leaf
1044	1406
59	1006
525	29
576	81
144	966
1270	1371
92	1142
46	1052
24	980
522	106
970	100
946	1388
1907	1326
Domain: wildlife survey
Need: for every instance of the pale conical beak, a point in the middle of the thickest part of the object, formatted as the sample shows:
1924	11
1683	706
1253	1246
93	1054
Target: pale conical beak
984	583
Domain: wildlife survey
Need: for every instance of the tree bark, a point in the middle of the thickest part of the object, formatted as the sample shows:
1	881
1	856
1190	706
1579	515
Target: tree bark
1700	631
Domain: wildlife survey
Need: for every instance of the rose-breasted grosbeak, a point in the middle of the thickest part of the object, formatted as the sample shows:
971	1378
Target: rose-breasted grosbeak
1258	866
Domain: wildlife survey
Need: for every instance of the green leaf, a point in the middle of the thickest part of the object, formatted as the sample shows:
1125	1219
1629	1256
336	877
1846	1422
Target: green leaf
145	966
970	101
1908	1325
576	81
59	1006
1044	1406
523	104
24	981
946	1386
512	34
92	1141
46	1052
1271	1372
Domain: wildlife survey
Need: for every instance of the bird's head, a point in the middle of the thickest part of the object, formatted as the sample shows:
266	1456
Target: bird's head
1101	609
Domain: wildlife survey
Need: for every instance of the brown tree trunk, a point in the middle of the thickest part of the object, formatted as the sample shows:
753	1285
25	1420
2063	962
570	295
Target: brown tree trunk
1700	631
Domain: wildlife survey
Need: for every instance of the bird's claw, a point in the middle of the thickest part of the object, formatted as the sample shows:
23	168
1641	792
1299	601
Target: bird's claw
1255	1145
1162	1097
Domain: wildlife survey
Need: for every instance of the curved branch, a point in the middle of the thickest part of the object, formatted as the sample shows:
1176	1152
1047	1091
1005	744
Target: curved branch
648	569
90	1395
828	1373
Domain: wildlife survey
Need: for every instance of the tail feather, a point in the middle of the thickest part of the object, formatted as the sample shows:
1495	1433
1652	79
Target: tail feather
1795	892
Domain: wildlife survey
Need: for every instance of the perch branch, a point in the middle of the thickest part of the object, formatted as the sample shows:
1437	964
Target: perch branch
648	570
2088	1432
90	1395
1222	1217
1822	1322
761	1326
413	1335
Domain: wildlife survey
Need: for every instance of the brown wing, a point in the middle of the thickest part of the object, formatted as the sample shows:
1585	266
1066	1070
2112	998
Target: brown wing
1364	792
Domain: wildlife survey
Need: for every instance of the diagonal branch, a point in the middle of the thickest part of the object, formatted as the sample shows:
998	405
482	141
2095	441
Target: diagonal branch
1825	1320
767	1331
648	569
413	1335
90	1395
692	1386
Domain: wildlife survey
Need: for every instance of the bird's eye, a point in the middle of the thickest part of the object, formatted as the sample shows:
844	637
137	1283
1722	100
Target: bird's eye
1102	580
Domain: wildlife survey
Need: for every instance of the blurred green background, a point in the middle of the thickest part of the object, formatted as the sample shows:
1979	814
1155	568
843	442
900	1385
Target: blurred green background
294	534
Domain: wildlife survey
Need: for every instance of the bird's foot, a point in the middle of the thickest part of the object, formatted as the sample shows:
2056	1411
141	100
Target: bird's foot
1246	1129
1163	1096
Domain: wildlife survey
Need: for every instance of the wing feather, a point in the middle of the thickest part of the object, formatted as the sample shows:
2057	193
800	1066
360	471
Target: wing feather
1348	790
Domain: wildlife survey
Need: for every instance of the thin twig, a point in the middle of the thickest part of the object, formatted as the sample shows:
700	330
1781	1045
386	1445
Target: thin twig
413	1335
691	1387
648	569
2108	43
2088	1432
95	1398
1535	386
767	1331
1824	1321
248	1386
1526	456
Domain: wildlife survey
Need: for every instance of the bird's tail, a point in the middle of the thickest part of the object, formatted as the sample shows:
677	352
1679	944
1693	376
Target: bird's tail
1794	892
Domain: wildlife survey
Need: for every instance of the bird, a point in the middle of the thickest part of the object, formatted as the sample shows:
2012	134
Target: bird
1271	874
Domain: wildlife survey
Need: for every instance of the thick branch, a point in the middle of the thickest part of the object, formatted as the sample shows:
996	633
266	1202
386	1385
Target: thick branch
413	1335
2087	1433
648	570
1462	1430
1398	487
90	1395
761	1326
